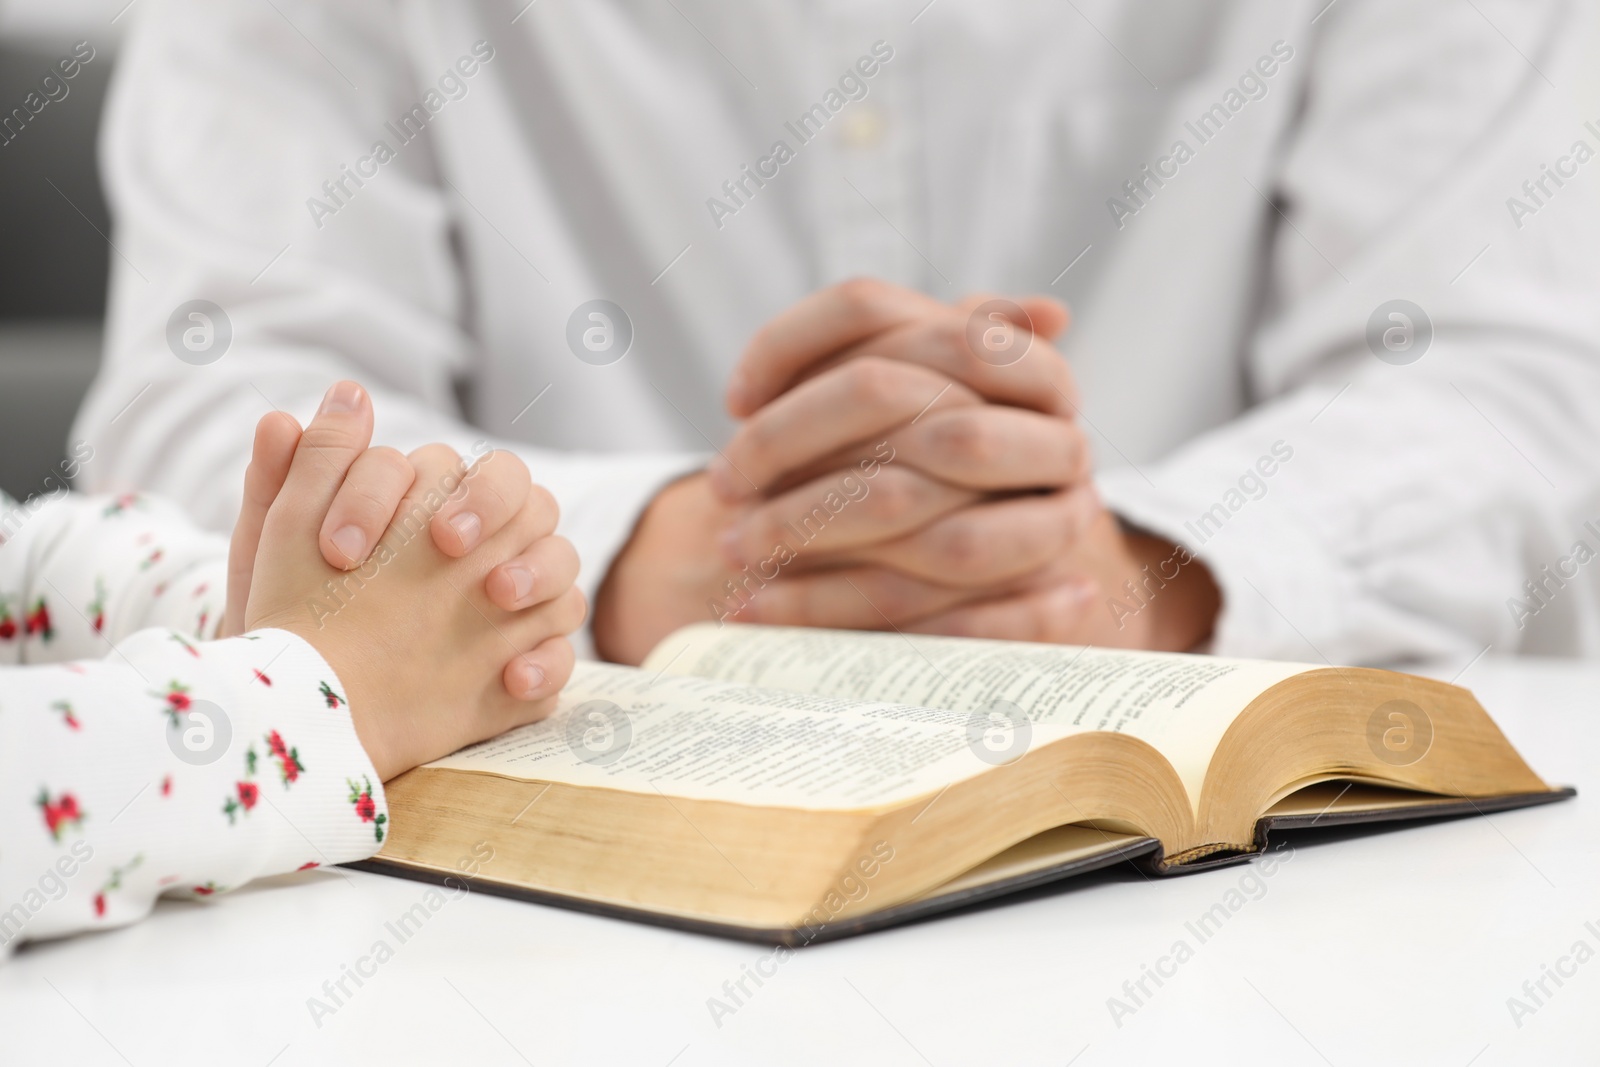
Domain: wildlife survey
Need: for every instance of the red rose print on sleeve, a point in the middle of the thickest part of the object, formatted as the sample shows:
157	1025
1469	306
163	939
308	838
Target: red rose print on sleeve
114	883
334	699
245	792
67	715
289	766
38	621
177	701
122	503
61	814
248	794
97	607
366	807
8	625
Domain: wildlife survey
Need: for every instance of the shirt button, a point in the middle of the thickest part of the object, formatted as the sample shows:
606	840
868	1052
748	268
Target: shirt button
864	126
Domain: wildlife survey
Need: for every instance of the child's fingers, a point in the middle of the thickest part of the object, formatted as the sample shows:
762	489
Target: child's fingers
545	570
440	472
541	672
364	506
535	675
276	437
328	448
493	491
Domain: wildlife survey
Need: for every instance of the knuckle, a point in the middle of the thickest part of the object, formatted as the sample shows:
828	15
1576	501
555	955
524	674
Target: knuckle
564	558
434	455
390	460
755	444
543	503
505	470
873	381
326	438
961	546
949	332
862	295
963	436
574	609
892	499
368	501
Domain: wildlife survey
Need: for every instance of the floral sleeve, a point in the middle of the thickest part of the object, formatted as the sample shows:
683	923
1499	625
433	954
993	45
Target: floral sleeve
138	756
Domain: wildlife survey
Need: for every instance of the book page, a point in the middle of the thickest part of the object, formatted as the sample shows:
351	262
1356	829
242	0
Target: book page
1180	704
644	731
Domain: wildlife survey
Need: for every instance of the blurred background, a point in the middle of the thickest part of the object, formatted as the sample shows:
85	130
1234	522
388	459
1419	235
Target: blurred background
54	253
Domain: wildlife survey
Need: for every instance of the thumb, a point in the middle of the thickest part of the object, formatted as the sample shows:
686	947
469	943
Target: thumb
335	437
276	437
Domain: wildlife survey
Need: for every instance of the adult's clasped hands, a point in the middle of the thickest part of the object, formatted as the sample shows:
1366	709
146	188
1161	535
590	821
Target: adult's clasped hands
903	464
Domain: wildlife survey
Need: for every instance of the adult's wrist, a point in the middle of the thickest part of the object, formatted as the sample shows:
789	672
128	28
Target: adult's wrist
1186	611
666	574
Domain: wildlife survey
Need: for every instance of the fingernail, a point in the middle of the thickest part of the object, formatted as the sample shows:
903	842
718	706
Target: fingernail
467	527
344	396
534	676
351	543
521	581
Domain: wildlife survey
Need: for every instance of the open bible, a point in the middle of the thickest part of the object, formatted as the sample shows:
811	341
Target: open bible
795	785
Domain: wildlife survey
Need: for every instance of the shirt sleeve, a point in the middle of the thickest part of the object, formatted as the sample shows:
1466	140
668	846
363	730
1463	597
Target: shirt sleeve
138	756
201	209
1422	485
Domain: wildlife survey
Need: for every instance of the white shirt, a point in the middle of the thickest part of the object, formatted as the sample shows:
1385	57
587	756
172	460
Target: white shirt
581	151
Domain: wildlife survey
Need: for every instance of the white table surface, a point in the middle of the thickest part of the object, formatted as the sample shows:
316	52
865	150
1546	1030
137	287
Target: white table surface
1397	947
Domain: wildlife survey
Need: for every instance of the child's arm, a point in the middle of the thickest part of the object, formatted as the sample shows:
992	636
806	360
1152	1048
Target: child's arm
180	765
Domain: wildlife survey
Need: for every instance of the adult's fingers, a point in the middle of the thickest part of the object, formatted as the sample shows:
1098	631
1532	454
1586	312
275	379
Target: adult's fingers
848	598
818	326
1045	316
495	489
545	570
840	511
364	505
988	544
988	447
863	398
276	436
340	431
1055	614
995	447
994	357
